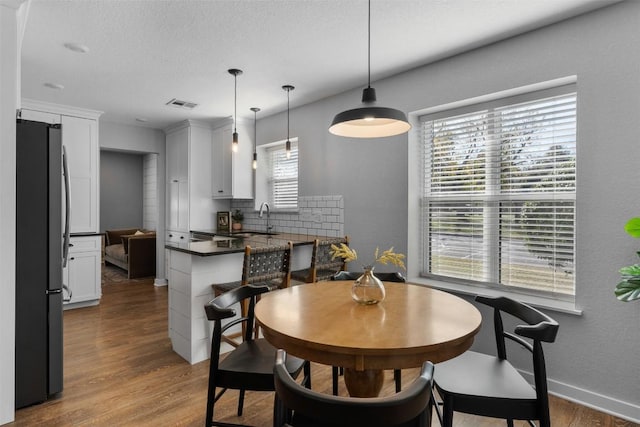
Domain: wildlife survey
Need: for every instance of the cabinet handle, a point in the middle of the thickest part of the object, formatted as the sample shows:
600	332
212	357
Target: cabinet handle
170	235
175	180
72	258
182	237
220	191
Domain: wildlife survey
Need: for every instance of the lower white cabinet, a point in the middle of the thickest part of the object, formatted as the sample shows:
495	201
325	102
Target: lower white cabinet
82	274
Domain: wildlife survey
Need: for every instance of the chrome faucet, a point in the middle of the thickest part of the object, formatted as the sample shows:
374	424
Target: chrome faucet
262	207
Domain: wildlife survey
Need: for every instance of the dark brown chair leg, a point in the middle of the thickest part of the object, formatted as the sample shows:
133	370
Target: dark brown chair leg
240	402
334	379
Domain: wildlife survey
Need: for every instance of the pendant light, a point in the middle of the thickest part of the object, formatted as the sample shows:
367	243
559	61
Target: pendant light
254	164
369	121
288	88
235	73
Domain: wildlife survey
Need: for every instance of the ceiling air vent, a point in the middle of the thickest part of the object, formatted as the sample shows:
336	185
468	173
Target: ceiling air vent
182	104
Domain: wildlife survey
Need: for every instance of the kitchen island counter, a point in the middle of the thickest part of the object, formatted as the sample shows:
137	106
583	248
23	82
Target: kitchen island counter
220	244
194	266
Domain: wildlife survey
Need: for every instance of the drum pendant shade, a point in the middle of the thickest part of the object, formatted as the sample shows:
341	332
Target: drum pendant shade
369	121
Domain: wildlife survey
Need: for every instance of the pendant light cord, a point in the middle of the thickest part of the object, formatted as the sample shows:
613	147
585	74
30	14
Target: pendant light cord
288	90
369	47
235	102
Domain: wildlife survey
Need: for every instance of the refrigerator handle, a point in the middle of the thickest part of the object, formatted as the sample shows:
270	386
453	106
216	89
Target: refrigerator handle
67	211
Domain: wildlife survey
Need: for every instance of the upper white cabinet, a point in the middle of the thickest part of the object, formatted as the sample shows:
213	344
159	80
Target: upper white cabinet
80	138
232	175
189	202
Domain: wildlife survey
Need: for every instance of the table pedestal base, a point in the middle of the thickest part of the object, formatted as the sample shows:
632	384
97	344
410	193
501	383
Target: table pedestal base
367	383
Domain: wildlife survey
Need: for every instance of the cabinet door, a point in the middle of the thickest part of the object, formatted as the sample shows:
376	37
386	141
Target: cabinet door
178	155
178	219
222	162
80	137
83	276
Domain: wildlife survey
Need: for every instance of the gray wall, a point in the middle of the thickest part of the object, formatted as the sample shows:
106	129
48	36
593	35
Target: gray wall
121	196
595	359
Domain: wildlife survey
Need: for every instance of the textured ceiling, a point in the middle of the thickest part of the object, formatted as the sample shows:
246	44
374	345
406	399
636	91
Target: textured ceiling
144	53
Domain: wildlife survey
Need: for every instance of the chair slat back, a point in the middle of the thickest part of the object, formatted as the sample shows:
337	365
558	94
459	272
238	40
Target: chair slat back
538	327
410	407
268	263
321	258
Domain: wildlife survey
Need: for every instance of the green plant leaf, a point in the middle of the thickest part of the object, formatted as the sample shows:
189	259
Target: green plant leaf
632	227
628	291
632	270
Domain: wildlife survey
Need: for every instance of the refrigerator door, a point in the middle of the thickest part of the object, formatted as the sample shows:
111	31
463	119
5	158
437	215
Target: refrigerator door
32	263
38	262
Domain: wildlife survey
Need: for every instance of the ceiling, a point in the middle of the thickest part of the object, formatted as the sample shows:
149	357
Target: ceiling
144	53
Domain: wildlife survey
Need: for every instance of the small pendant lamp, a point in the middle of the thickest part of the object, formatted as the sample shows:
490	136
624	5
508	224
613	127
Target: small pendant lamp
235	73
254	164
288	88
369	121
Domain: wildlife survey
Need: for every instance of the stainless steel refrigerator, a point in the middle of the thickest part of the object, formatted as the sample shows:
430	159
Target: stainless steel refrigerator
41	250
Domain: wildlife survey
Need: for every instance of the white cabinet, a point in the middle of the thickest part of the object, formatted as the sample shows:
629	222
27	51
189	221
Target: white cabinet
189	202
82	274
232	175
80	138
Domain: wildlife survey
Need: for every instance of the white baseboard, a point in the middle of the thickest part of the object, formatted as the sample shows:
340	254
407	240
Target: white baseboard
160	282
619	408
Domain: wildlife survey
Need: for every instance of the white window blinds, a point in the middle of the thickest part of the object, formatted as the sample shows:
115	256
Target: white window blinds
499	193
284	176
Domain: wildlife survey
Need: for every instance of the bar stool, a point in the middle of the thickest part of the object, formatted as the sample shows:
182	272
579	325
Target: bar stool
266	266
322	267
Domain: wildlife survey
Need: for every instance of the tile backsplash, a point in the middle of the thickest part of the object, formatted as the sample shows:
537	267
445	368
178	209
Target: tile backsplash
316	215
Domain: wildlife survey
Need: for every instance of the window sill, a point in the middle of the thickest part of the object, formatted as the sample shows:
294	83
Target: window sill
535	301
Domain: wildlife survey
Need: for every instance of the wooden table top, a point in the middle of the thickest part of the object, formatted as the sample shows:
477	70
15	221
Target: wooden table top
320	322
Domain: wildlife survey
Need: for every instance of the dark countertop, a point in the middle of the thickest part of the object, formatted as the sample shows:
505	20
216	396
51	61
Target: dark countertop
236	241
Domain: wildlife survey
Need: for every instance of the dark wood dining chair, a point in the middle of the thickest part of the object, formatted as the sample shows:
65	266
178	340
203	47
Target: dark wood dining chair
385	277
269	266
249	366
490	386
323	265
297	406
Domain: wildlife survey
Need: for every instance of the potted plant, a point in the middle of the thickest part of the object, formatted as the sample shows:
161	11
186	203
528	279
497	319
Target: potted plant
237	218
628	289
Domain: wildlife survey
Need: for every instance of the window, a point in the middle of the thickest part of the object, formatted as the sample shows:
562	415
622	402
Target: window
277	176
499	193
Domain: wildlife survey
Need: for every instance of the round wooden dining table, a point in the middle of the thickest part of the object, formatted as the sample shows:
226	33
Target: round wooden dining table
321	323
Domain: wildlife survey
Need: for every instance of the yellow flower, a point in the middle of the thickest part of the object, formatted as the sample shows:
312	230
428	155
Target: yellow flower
387	257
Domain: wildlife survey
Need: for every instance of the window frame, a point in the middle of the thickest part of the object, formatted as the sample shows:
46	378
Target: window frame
264	176
565	302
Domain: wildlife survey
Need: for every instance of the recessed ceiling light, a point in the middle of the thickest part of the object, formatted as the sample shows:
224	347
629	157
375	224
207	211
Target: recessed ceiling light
55	86
77	47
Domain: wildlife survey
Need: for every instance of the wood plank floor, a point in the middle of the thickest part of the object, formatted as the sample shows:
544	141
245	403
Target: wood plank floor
120	371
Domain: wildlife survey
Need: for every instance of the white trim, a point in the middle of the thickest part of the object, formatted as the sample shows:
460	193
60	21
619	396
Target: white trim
160	282
616	407
66	110
567	307
549	84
